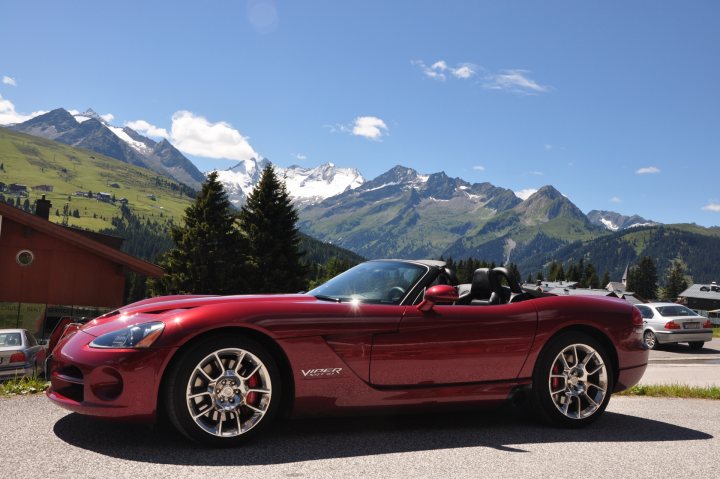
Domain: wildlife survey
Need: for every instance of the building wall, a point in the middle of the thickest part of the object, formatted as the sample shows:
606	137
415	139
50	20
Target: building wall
704	304
61	273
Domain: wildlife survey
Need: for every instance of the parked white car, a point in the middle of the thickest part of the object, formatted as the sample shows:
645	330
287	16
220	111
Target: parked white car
20	354
670	323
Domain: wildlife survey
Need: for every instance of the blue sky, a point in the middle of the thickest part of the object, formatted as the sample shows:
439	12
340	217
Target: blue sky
615	103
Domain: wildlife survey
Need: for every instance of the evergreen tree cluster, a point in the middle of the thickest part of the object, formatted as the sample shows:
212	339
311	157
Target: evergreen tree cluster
642	279
218	251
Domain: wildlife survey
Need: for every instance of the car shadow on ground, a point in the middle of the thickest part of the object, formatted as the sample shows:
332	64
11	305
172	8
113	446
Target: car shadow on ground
312	439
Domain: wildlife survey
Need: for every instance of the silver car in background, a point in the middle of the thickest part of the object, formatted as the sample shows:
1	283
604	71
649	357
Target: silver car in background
670	323
20	354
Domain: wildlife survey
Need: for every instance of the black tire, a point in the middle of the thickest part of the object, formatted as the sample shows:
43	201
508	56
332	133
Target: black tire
650	340
550	394
236	422
696	345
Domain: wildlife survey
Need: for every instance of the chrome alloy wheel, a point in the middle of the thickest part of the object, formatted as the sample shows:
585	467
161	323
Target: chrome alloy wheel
229	392
578	381
650	339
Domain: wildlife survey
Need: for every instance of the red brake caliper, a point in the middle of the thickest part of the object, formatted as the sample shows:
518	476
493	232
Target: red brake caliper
252	396
555	382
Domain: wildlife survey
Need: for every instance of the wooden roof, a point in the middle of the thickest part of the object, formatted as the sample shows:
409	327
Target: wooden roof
66	234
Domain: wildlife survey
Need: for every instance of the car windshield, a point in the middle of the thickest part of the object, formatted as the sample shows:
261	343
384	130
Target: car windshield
10	339
675	310
384	282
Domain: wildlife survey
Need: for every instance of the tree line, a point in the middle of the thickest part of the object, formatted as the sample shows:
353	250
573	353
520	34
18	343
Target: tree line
259	249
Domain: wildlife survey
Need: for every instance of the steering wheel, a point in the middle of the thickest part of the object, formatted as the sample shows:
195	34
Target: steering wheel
396	293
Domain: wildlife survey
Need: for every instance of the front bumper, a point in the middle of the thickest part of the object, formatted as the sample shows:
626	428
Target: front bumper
111	383
684	336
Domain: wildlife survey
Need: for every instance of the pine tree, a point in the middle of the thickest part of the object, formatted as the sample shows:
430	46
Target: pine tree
268	221
605	279
208	253
675	282
642	279
514	272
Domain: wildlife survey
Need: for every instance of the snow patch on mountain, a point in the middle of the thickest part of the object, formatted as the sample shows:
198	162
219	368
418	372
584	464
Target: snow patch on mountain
609	224
134	144
305	185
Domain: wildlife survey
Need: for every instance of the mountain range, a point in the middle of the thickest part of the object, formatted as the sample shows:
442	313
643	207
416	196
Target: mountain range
404	213
305	185
90	131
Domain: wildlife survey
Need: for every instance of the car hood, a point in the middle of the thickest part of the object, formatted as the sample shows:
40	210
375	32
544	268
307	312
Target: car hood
159	308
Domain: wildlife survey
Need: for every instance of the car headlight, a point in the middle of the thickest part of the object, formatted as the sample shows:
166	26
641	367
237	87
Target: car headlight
138	336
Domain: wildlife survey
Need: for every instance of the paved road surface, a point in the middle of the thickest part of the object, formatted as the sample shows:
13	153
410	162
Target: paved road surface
637	437
679	364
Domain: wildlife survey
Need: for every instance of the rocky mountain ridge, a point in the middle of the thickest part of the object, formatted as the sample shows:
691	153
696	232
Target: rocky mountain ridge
90	131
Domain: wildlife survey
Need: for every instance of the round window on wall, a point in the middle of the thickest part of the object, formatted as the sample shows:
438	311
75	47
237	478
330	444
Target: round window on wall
25	257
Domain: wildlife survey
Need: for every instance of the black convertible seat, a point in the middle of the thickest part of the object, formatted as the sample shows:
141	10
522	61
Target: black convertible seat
485	287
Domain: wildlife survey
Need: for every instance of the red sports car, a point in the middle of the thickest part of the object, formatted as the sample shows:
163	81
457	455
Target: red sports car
385	335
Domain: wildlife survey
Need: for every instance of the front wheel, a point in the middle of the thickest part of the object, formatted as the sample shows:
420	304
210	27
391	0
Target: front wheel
223	391
572	381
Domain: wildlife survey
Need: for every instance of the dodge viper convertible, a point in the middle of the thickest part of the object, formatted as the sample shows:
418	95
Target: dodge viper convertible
386	335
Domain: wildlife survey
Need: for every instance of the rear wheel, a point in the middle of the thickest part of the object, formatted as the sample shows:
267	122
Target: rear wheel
223	391
695	345
572	381
650	339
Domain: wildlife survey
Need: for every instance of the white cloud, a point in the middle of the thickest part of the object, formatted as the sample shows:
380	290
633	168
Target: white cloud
478	168
370	127
548	147
9	81
464	72
526	193
712	206
108	117
300	156
537	173
516	81
440	68
9	116
615	199
147	129
648	170
195	135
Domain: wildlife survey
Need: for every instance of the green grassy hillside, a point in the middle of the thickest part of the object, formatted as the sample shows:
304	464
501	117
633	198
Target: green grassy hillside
34	161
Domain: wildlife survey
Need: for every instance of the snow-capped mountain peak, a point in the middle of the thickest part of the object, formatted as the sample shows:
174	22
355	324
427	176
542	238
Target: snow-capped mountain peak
89	114
305	185
615	221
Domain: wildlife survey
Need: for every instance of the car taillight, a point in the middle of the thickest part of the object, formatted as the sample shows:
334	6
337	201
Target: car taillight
637	319
18	357
672	325
707	324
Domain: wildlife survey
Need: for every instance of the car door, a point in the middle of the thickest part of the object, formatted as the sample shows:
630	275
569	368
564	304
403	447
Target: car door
33	349
647	315
454	344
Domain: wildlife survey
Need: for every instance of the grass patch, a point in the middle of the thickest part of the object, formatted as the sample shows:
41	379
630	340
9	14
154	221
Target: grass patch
716	332
23	386
674	391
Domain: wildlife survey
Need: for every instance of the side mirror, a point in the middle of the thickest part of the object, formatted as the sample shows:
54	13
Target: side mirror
441	293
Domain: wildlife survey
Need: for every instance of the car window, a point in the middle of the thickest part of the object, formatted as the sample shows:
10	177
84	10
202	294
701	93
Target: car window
30	339
384	282
645	311
675	310
10	339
